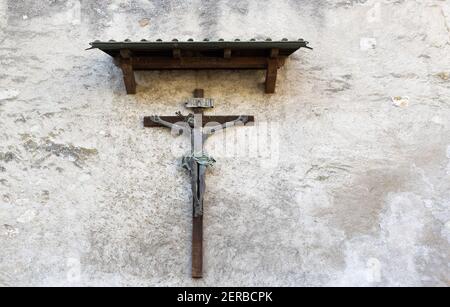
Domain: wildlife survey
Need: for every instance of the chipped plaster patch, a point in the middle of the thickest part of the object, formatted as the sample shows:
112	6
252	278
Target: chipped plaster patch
144	22
367	43
8	231
400	101
8	94
445	76
437	120
27	217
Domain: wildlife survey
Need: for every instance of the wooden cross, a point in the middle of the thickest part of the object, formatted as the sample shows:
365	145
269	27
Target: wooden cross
199	127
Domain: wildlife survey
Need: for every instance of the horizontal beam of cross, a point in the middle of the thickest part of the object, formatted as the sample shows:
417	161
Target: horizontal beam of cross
206	119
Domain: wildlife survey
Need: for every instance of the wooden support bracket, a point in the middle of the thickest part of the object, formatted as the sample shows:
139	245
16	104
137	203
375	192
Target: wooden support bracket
126	64
272	70
271	75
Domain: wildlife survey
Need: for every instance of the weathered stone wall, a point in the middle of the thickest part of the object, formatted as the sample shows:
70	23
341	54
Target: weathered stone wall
356	190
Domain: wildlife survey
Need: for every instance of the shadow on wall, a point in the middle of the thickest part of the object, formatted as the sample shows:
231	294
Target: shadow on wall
227	80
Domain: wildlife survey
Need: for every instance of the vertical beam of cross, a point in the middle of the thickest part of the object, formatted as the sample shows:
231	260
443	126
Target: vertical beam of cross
197	220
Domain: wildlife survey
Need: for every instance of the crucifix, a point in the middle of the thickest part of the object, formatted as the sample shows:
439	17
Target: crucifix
199	127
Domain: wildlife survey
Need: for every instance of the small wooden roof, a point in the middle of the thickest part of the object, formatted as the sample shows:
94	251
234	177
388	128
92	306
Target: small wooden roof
156	55
159	47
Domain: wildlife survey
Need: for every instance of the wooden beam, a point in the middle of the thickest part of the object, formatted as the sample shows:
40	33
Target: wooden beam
197	246
199	93
197	221
125	53
227	53
128	75
159	63
274	53
130	62
127	69
271	75
176	53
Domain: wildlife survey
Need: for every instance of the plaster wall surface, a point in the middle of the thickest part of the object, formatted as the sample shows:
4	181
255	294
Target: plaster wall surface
338	184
